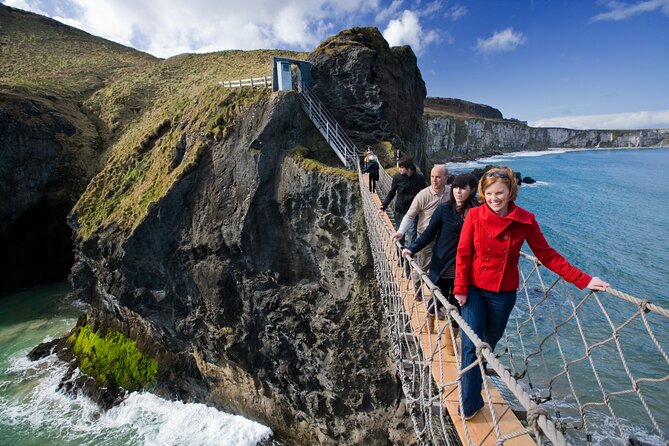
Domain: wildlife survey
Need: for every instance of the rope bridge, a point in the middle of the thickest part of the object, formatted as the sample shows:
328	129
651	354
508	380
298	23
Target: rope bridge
574	367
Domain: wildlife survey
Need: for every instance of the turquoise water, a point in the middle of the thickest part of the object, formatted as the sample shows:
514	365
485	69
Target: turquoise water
607	211
34	413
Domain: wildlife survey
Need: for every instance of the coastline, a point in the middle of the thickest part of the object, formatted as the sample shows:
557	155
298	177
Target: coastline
457	166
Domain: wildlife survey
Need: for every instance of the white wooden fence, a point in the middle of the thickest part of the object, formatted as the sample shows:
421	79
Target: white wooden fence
265	82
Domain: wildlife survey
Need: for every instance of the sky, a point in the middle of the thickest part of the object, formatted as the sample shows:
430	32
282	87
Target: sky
598	64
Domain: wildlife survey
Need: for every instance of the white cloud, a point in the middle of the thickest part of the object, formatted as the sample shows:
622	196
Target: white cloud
623	11
407	30
26	5
431	8
391	11
613	121
457	12
169	27
505	40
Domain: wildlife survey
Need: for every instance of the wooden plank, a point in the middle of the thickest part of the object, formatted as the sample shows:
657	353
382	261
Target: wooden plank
445	366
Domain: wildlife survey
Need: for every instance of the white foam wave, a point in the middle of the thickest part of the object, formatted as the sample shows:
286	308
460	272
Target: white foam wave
143	419
463	166
537	184
176	423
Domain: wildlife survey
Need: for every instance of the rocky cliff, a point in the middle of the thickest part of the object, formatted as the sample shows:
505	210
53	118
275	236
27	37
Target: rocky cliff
241	266
459	131
374	91
218	233
251	282
50	143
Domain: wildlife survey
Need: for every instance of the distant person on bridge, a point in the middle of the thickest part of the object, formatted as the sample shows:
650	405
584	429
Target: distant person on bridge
406	184
368	155
486	270
445	226
422	207
372	170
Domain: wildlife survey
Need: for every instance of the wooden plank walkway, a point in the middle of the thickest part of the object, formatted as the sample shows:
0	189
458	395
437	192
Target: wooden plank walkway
445	367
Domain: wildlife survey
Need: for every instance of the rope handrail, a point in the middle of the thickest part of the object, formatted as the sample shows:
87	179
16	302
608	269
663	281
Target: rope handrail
619	294
537	381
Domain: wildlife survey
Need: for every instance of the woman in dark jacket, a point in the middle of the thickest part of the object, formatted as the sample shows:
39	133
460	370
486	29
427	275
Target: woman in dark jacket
446	224
373	170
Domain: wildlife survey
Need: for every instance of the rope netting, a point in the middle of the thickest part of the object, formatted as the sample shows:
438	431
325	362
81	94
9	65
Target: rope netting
575	366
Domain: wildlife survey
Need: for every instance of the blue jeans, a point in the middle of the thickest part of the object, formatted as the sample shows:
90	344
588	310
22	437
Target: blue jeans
487	313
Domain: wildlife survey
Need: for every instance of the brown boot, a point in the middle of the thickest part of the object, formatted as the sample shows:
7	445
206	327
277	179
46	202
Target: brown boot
448	342
430	323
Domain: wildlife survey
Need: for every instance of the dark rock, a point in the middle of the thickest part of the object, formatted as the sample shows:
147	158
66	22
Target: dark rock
42	173
374	91
461	107
43	350
252	284
529	180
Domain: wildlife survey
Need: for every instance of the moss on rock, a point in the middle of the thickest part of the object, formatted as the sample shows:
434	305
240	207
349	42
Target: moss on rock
112	359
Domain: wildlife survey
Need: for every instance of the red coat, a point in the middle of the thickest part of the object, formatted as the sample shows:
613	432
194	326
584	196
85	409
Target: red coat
489	250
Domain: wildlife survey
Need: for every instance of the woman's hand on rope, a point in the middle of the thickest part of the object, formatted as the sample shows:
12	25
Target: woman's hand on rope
406	252
398	236
461	298
381	212
597	284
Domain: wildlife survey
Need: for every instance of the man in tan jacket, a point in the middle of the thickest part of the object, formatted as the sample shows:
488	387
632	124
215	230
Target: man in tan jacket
422	207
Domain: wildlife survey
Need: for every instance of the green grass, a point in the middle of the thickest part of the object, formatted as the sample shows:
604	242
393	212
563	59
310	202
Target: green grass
46	57
113	359
304	158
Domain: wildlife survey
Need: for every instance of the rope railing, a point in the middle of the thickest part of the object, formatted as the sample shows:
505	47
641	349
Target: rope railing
550	356
597	358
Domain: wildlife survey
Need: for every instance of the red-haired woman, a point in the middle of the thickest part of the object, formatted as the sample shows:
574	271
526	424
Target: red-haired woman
486	272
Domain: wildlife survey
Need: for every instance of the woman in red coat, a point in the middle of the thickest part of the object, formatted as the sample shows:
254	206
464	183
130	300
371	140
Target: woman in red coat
486	272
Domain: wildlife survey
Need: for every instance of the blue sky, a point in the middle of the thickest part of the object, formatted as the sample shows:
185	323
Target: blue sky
570	63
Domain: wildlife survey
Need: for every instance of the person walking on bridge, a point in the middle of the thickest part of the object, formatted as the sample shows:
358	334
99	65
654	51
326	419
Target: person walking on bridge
444	228
486	270
422	207
406	185
372	170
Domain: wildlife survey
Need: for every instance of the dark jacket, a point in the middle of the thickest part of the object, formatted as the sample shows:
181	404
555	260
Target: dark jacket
489	250
445	223
406	187
373	169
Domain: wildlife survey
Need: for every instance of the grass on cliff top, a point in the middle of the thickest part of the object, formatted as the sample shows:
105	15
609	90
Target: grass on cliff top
113	359
44	56
154	154
303	156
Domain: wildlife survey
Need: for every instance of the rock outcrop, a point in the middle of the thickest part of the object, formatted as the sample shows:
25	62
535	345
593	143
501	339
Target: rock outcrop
461	108
251	282
455	133
374	91
45	165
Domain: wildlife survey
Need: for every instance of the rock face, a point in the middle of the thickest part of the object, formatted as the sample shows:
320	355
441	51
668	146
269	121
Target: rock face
252	284
460	107
42	174
459	138
375	92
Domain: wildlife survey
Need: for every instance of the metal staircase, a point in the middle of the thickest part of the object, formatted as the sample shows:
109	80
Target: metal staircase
332	132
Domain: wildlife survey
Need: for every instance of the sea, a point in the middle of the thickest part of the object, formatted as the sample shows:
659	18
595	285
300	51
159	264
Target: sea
605	210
